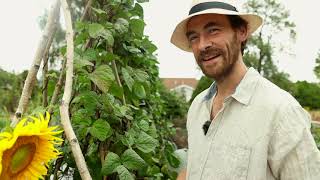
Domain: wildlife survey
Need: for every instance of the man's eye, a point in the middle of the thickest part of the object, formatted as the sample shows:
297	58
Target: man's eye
192	38
213	30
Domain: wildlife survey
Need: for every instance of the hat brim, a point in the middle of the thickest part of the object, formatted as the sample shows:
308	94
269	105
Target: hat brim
180	40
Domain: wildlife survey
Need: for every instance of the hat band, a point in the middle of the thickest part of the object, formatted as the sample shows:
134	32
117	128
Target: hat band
211	5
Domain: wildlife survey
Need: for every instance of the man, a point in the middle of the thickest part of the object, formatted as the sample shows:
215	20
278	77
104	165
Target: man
243	126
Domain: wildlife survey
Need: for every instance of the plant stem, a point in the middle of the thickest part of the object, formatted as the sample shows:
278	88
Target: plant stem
58	87
116	74
45	81
86	10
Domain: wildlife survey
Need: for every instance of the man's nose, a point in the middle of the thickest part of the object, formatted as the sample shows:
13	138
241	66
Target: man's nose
204	43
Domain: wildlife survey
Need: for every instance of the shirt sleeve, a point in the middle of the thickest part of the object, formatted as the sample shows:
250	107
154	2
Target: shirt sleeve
292	152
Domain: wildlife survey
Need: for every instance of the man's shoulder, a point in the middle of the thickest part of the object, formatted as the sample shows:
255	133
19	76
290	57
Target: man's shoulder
272	95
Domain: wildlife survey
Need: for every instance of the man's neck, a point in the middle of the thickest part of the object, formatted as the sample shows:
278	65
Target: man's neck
229	83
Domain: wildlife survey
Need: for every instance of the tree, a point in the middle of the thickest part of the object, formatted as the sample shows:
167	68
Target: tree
10	88
262	46
316	69
307	94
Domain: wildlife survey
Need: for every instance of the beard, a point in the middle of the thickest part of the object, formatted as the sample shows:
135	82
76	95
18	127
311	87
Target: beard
225	63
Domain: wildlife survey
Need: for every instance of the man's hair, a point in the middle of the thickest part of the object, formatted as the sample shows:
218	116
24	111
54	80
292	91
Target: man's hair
236	23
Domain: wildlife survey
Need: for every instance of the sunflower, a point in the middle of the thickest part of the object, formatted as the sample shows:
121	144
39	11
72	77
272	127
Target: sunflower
26	152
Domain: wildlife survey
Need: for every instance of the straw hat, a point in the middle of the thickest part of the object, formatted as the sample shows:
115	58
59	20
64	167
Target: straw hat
226	7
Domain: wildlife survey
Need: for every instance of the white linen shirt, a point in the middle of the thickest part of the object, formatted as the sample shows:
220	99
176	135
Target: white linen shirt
261	133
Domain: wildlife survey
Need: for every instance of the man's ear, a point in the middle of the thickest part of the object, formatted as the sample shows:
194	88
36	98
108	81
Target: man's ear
242	33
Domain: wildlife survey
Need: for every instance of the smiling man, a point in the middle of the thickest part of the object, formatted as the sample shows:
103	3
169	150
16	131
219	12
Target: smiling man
242	126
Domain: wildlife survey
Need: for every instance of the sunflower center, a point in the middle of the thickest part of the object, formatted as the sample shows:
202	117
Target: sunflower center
22	157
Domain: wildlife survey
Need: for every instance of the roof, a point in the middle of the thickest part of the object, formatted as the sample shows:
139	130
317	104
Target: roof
171	83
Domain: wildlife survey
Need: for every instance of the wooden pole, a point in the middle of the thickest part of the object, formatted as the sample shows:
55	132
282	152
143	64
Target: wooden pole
64	107
31	77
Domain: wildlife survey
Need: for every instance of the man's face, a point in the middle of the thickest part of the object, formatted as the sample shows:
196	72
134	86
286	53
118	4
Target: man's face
214	43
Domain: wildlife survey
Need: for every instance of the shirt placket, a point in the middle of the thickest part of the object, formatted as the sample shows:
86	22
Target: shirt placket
213	128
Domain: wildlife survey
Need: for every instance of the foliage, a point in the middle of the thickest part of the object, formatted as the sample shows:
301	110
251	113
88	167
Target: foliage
175	106
317	67
282	80
315	130
10	88
307	94
120	111
4	118
203	84
262	45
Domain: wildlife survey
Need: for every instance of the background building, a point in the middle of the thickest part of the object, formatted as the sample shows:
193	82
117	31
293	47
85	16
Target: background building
183	86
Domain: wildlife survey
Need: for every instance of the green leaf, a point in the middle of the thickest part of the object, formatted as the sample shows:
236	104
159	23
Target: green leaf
88	99
107	35
172	158
92	149
111	163
127	78
107	56
152	170
116	90
124	174
90	54
144	125
121	25
142	1
133	49
63	49
102	77
138	10
141	75
79	26
137	26
101	130
146	143
148	45
153	131
52	75
139	90
132	160
81	118
99	11
127	139
80	62
95	30
170	147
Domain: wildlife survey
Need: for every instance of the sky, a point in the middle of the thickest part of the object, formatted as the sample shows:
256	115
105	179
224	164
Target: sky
20	34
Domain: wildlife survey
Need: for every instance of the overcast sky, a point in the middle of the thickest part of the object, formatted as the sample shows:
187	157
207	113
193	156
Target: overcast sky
20	34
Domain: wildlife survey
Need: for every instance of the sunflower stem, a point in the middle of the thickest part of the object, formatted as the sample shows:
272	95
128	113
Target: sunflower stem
64	107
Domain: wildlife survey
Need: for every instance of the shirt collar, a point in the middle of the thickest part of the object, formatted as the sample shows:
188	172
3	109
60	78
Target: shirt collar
244	90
